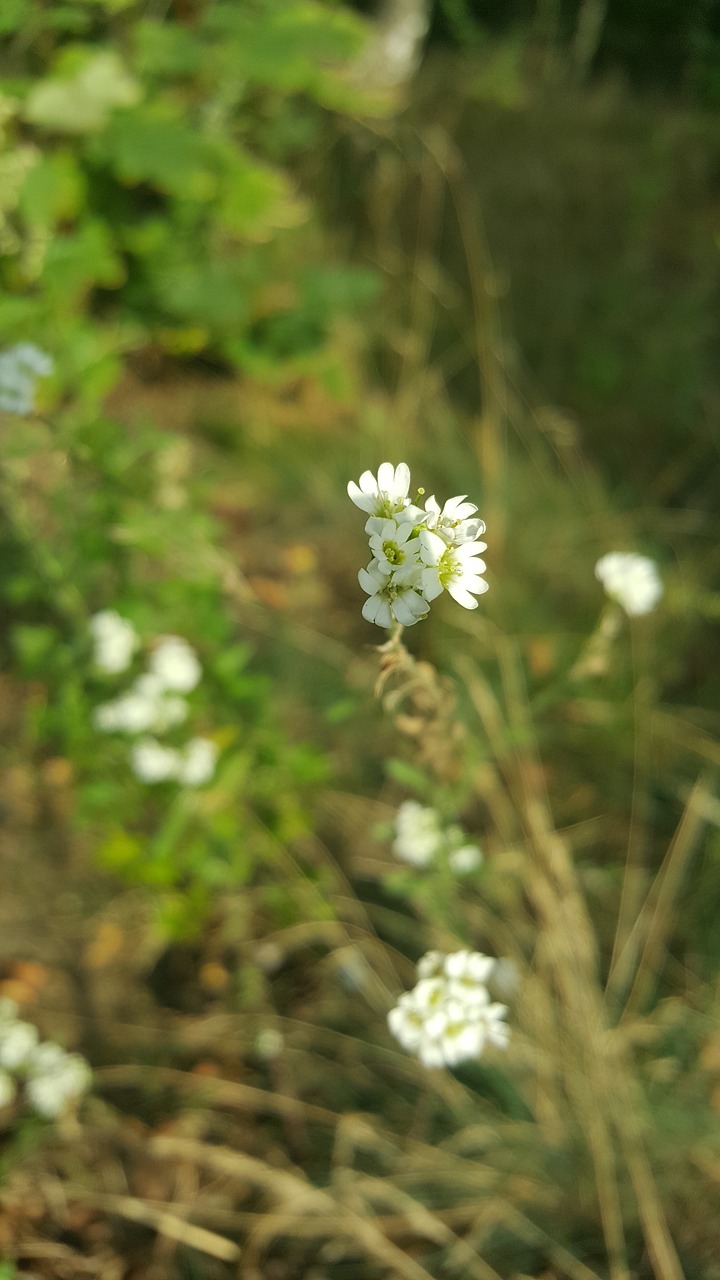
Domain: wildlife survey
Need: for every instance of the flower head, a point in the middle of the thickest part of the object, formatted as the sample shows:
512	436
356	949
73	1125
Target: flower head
114	639
456	522
385	495
55	1079
394	549
152	762
630	579
418	835
175	664
390	600
197	762
455	569
449	1017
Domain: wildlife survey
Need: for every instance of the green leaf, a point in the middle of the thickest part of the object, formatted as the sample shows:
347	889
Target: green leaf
78	261
152	146
81	100
35	647
14	14
54	190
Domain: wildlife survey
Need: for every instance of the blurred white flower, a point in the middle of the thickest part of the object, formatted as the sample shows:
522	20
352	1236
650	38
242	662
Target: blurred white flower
449	1017
55	1079
152	762
175	663
197	762
465	859
418	833
455	569
385	495
146	707
20	368
630	579
8	1089
115	641
17	1041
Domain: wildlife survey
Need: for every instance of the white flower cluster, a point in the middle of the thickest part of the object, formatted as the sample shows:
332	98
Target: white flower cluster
448	1017
52	1079
417	553
630	579
20	368
153	704
421	838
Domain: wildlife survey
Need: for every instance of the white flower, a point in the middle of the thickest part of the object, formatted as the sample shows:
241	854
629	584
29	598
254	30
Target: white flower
17	1041
197	762
55	1079
384	496
8	1089
418	833
175	662
146	707
453	569
448	1017
152	762
456	522
630	579
20	367
396	552
115	641
390	600
465	859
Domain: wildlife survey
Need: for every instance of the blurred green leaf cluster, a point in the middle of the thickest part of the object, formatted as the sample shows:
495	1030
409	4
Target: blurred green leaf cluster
146	194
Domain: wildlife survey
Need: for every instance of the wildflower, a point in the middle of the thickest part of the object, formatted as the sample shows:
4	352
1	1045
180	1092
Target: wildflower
390	600
384	496
17	1041
115	641
454	523
455	569
417	553
418	835
55	1079
8	1089
20	367
630	579
449	1017
465	859
146	707
197	762
393	550
175	663
152	762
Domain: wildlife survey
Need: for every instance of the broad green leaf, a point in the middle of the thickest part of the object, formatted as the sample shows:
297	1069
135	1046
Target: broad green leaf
153	147
82	100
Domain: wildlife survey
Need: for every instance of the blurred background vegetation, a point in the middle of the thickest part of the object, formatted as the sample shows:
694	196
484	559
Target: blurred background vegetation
261	267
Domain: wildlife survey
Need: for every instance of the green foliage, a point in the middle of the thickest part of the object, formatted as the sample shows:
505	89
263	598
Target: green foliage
147	181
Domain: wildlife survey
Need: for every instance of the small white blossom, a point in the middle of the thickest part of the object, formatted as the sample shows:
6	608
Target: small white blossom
465	859
146	707
197	762
456	522
394	549
385	495
175	663
455	569
152	762
20	368
55	1079
390	600
115	641
449	1017
418	833
632	580
17	1041
8	1089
